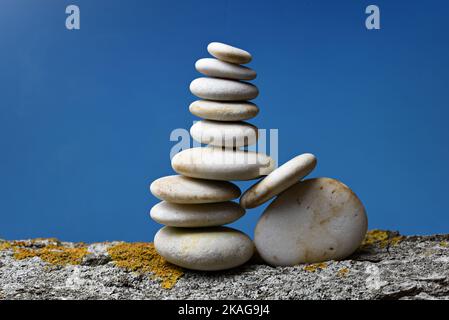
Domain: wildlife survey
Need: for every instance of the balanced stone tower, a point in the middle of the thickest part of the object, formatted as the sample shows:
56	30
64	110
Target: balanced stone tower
197	202
308	221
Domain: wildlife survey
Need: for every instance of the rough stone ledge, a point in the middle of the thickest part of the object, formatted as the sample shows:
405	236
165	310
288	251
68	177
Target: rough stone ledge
387	266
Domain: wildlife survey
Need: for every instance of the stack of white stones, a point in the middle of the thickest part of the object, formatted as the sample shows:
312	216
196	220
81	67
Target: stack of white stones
308	221
197	202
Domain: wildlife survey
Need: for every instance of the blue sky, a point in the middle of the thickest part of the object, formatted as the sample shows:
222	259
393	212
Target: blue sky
86	115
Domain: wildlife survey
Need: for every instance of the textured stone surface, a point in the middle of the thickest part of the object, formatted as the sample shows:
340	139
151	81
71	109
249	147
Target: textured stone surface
391	267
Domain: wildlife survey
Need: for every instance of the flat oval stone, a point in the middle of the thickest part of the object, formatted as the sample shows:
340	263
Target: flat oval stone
229	53
224	134
223	89
206	249
279	180
222	164
223	111
196	215
313	221
221	69
180	189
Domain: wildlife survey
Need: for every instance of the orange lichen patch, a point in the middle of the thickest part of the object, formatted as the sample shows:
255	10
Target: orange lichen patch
143	258
374	237
5	245
394	241
343	272
381	238
53	254
315	266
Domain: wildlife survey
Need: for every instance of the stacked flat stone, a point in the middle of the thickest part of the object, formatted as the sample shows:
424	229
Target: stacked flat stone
198	202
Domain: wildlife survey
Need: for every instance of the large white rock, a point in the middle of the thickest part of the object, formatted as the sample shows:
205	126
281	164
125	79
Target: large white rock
279	180
229	53
196	215
223	111
313	221
222	164
180	189
223	89
224	134
221	69
207	249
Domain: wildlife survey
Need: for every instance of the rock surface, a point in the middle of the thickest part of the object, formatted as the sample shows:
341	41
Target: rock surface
387	266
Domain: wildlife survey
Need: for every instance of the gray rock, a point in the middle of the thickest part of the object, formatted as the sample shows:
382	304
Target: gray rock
408	268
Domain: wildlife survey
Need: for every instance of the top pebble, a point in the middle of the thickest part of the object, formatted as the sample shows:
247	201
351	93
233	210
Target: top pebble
225	52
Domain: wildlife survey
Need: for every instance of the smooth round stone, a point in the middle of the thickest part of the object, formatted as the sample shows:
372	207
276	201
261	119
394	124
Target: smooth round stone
206	249
279	180
221	69
222	164
313	221
229	53
196	215
224	134
223	89
224	111
180	189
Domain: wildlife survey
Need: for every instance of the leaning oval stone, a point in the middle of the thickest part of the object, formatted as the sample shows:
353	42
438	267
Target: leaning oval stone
224	111
222	164
221	69
279	180
223	89
207	249
229	53
180	189
313	221
224	134
196	215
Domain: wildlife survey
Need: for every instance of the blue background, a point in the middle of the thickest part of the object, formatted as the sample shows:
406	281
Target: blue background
85	116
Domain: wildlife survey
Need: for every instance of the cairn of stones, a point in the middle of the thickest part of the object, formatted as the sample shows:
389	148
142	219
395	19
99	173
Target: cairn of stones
308	221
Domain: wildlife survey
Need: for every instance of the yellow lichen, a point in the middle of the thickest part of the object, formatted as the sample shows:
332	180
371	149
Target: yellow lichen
343	272
315	266
53	254
142	257
394	241
381	238
5	245
444	244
